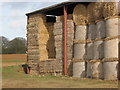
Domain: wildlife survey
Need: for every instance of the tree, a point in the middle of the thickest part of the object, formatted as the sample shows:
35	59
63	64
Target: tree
4	44
17	46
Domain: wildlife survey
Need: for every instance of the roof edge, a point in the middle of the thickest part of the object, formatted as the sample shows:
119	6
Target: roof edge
49	8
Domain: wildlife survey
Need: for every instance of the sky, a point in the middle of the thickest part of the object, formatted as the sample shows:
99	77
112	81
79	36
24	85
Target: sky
13	18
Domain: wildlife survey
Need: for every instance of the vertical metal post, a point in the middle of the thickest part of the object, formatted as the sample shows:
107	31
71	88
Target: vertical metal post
65	40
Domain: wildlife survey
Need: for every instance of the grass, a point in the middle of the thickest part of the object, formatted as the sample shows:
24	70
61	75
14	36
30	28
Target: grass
13	78
12	61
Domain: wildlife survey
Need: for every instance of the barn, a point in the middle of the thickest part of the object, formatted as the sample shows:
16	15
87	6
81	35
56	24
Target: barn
79	39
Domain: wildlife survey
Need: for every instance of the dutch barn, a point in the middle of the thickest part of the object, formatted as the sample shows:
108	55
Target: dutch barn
78	39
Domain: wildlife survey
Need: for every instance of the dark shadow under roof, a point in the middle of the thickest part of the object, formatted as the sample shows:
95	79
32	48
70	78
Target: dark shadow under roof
57	9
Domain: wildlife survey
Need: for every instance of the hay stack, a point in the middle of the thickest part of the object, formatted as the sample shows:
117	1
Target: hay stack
80	14
89	70
111	48
112	27
58	36
51	41
70	37
33	42
97	11
94	70
59	18
100	30
90	13
43	52
91	34
89	51
79	48
43	38
111	9
98	50
79	69
81	32
110	70
79	51
97	70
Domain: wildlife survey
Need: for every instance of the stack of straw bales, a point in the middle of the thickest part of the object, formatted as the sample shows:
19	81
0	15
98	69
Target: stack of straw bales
70	38
79	17
43	38
110	13
91	35
51	41
110	58
98	11
58	35
97	71
50	67
96	32
33	44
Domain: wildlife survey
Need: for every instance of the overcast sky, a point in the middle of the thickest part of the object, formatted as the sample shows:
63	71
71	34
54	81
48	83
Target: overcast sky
12	15
13	18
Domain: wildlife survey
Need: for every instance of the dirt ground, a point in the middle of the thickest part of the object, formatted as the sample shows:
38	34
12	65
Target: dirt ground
12	64
14	57
13	77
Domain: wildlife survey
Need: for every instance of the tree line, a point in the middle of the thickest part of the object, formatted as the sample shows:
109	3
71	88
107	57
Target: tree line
16	46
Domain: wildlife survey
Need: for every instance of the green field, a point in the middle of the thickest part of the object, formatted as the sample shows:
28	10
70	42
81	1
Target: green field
14	77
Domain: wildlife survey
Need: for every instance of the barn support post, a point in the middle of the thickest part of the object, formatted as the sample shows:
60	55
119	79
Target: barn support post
65	40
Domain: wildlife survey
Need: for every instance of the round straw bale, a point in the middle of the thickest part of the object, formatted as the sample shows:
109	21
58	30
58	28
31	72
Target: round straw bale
79	69
81	32
89	70
111	9
100	30
96	70
98	9
98	50
112	27
80	14
89	51
111	48
110	70
79	51
90	14
91	34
